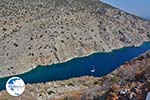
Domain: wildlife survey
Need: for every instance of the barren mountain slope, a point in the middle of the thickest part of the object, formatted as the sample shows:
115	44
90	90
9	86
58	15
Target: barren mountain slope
40	32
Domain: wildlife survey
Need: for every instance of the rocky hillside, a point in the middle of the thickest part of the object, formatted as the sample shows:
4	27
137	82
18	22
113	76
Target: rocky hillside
131	81
40	32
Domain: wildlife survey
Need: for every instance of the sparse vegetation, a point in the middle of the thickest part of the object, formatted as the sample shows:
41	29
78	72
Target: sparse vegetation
50	92
97	82
115	79
70	84
69	98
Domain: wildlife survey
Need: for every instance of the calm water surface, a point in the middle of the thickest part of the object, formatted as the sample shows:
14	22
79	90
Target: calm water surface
103	63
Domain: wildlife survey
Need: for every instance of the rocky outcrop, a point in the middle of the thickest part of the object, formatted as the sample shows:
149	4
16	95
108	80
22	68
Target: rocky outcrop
134	80
40	32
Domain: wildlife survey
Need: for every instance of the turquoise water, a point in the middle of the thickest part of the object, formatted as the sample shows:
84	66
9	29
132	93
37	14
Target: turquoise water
104	63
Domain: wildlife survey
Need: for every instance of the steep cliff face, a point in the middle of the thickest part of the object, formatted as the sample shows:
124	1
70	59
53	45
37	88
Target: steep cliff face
39	32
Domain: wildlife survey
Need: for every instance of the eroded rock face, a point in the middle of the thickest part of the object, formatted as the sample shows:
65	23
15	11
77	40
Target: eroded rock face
50	31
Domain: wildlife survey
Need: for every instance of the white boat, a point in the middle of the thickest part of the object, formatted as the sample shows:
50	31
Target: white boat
93	70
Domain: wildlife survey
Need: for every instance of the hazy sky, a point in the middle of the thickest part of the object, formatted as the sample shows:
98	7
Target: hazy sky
138	7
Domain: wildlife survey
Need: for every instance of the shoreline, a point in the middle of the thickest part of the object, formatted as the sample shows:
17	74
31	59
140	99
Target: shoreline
75	57
101	86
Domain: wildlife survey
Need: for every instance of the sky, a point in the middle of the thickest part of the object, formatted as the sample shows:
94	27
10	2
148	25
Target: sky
140	8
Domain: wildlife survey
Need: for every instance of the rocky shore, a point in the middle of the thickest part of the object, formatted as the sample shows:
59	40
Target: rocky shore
131	81
44	32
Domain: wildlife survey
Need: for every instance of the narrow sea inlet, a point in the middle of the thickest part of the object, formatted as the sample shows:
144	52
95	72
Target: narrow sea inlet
103	64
